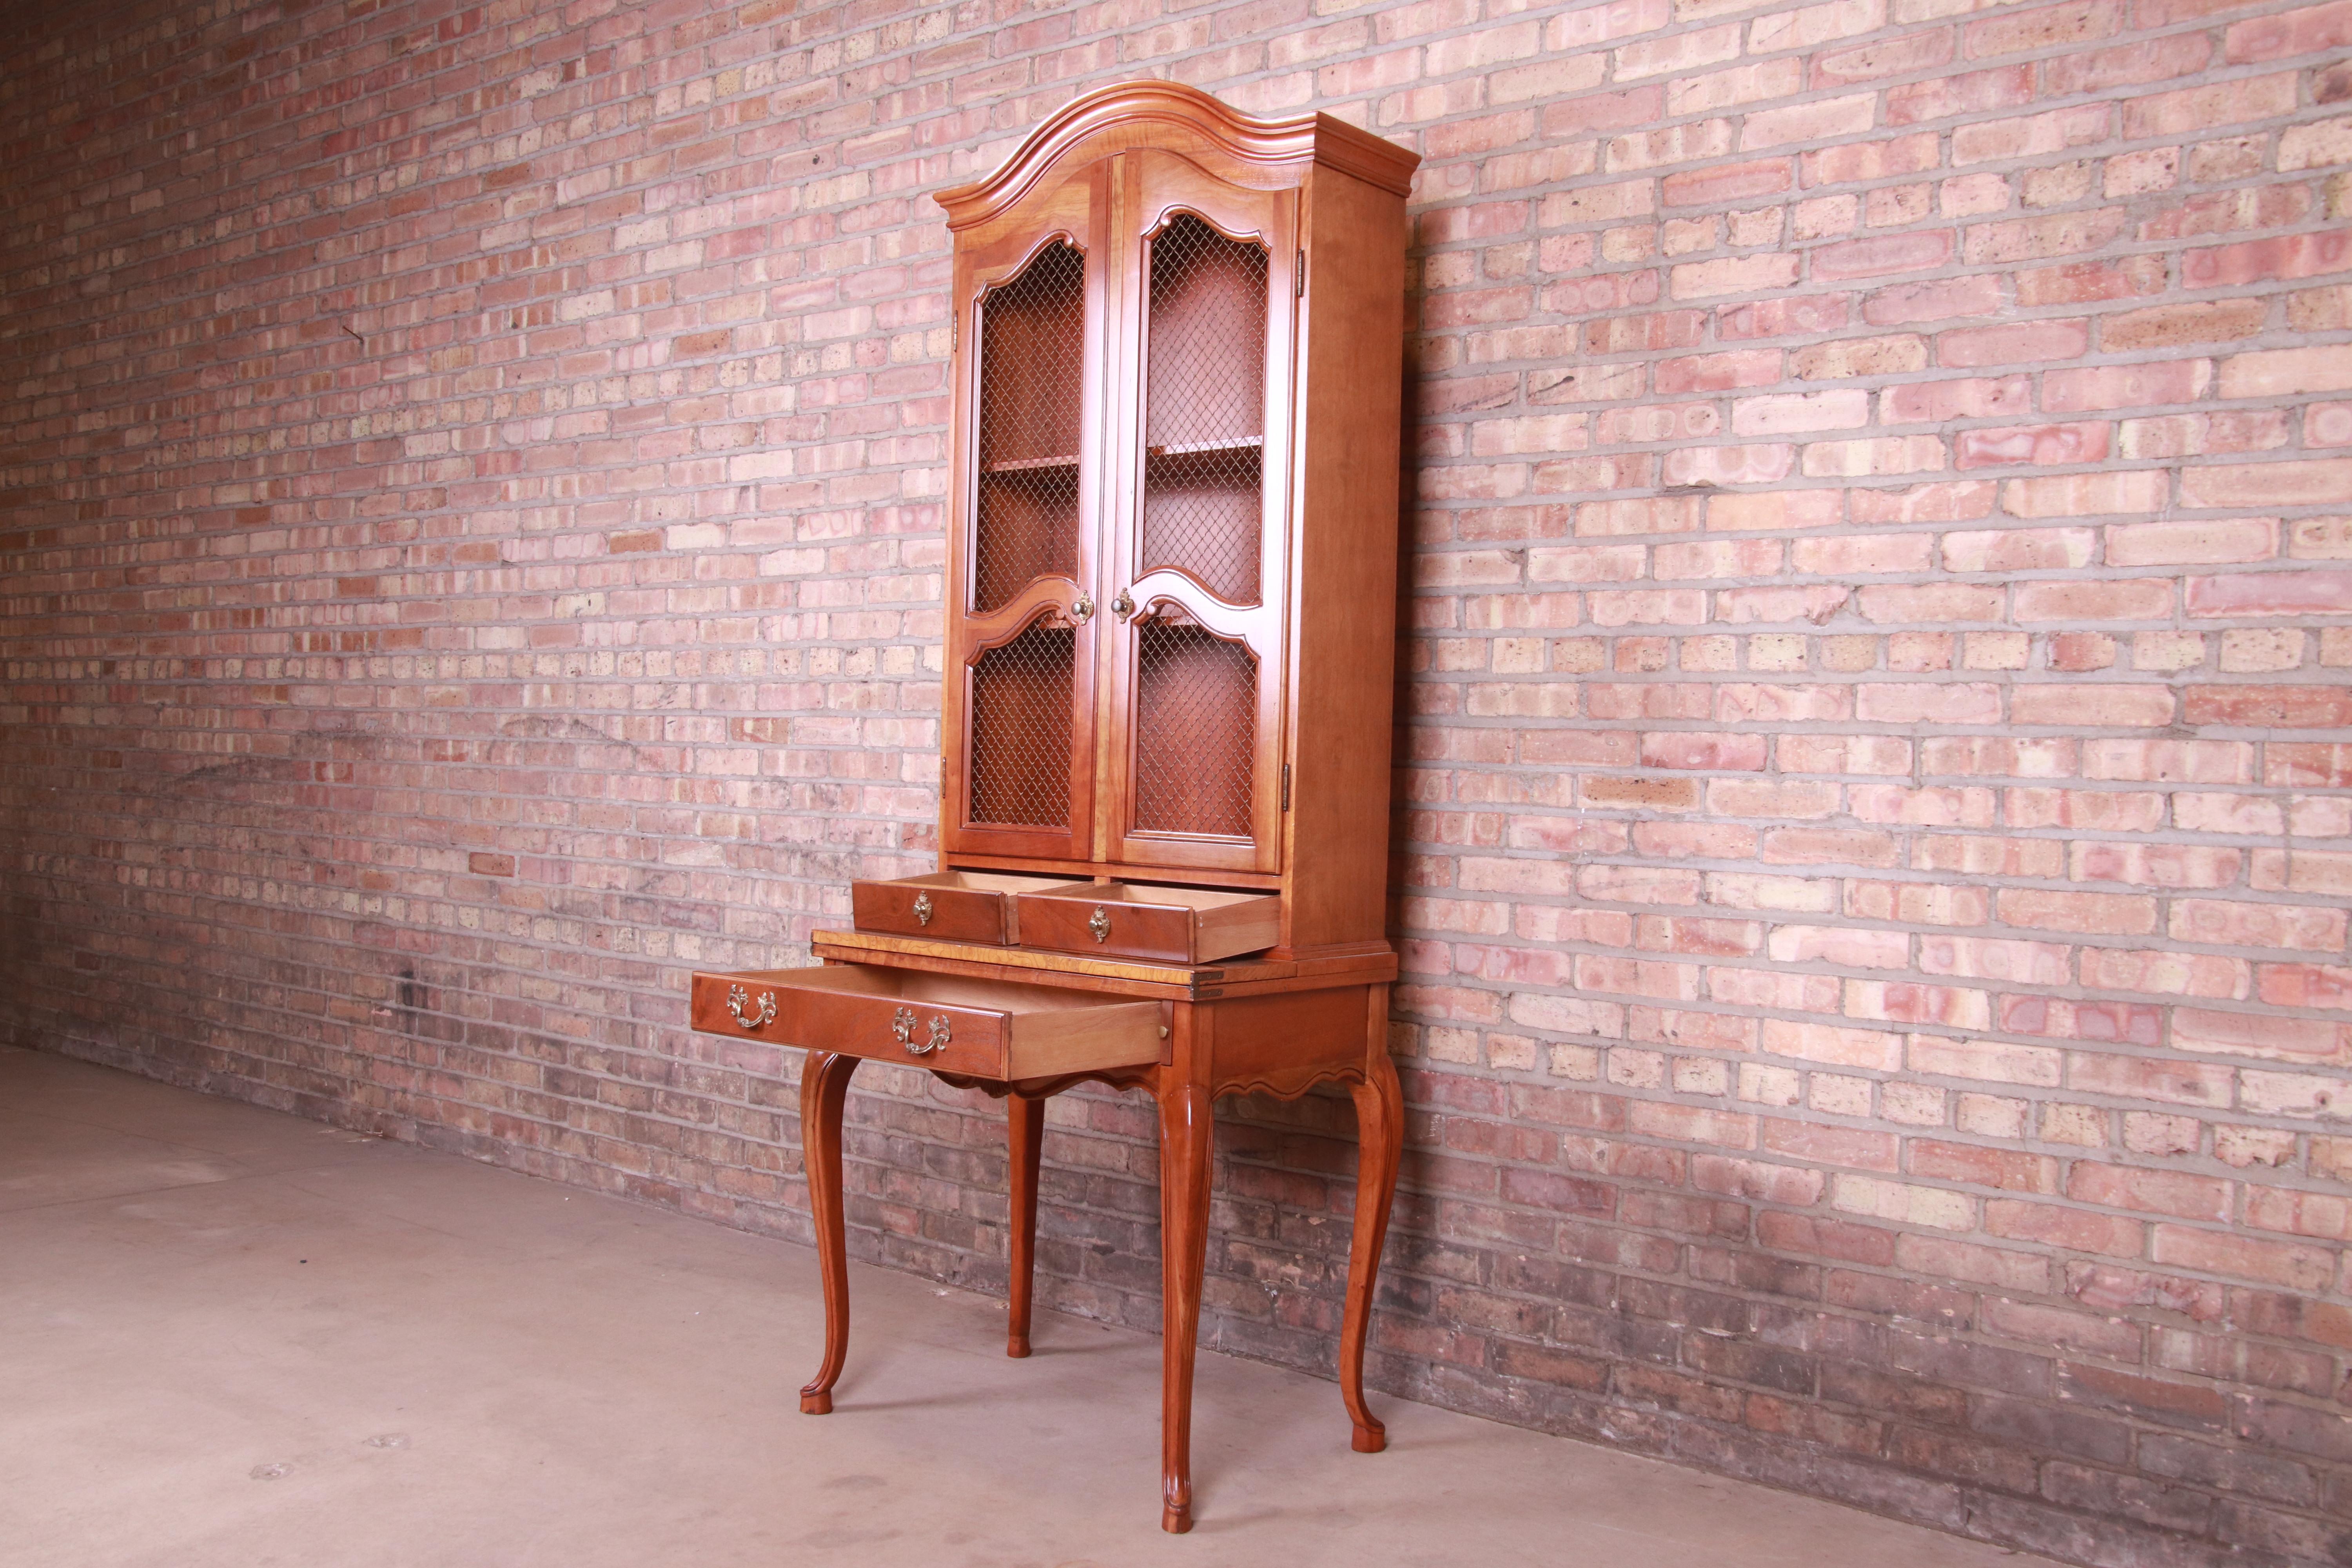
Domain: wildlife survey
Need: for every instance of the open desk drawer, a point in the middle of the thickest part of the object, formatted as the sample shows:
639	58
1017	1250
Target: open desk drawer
1135	920
952	906
987	1028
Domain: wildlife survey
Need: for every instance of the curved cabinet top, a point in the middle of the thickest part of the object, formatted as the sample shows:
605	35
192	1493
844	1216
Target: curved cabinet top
1171	115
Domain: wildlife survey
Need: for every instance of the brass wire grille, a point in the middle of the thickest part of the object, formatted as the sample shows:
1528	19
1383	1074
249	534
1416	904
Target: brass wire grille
1204	408
1033	339
1021	699
1195	729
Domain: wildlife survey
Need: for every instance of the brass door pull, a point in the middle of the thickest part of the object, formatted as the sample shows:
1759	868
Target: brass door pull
1082	608
1122	607
922	909
902	1029
1098	922
765	1012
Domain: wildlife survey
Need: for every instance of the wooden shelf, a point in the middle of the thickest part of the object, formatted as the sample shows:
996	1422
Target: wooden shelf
1029	465
1195	448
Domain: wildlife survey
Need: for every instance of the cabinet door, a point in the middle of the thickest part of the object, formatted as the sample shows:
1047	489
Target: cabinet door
1199	540
1026	525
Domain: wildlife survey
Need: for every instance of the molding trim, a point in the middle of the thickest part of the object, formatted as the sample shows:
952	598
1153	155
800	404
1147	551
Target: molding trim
1123	114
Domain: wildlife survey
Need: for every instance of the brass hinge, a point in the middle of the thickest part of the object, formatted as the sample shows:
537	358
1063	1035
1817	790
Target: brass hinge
955	333
1286	787
1298	277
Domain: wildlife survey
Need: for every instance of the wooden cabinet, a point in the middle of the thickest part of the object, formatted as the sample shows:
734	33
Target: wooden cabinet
1170	630
1170	645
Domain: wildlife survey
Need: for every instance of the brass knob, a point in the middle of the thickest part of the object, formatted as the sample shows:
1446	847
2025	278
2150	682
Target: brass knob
1082	608
1122	607
922	909
765	1012
1098	922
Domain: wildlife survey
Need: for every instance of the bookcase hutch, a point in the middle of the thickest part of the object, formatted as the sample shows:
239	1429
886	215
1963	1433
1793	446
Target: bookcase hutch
1170	652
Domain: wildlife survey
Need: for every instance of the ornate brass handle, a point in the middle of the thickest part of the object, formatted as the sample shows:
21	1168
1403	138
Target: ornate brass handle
1122	607
1082	608
922	909
765	1012
902	1029
1098	922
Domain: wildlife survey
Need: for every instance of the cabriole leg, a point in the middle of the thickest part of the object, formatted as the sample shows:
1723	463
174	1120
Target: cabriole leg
1380	1135
824	1086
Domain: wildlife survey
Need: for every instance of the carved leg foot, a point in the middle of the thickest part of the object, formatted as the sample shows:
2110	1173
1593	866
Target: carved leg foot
1380	1130
824	1086
1025	1131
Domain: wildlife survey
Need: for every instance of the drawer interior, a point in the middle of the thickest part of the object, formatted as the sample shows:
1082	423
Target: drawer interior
1047	1030
983	883
1190	925
1015	1000
1214	902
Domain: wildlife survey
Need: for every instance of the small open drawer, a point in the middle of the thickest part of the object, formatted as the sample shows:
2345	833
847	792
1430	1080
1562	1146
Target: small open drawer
1136	920
988	1028
953	906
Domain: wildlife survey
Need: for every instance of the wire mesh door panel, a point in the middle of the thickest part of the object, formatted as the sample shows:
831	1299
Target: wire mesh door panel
1204	408
1197	638
1195	729
1031	372
1030	404
1019	756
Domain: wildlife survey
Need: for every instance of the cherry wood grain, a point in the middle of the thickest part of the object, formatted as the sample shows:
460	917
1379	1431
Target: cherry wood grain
1174	925
1025	1132
1161	1003
1183	1098
1243	976
947	905
1172	117
979	1027
1069	206
825	1089
1379	1137
1306	644
1345	595
1283	1044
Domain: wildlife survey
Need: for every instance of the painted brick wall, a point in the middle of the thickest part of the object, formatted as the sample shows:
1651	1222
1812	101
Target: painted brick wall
1876	832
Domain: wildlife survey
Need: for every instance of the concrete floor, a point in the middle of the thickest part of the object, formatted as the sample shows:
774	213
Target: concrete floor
233	1337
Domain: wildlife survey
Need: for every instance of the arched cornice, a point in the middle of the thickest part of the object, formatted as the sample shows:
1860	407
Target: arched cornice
1142	113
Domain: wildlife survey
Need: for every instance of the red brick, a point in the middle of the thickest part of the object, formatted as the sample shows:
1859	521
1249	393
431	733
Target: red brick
2290	33
2025	343
2311	707
2256	260
2245	593
2149	1192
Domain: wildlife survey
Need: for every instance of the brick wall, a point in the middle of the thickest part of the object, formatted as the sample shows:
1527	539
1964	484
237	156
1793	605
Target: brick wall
1875	838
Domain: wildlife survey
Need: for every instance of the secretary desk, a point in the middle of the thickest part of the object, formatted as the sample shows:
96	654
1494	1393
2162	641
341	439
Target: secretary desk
1169	649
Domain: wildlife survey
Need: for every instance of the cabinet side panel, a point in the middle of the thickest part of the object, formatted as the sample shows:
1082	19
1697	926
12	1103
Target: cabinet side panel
1351	353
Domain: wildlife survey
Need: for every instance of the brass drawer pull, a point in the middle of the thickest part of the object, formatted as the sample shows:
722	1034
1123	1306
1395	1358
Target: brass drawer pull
765	1012
902	1029
922	909
1098	922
